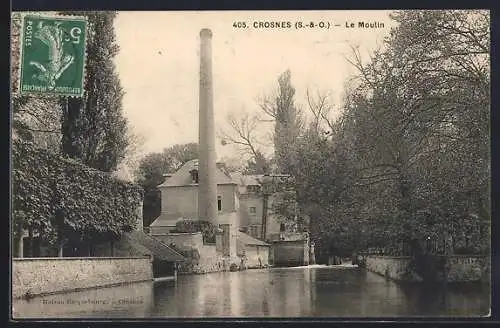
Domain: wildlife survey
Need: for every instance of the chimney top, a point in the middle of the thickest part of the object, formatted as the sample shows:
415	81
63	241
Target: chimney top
206	33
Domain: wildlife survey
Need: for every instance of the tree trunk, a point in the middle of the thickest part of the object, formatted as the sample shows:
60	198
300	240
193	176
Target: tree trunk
264	216
30	242
20	246
112	248
20	243
60	250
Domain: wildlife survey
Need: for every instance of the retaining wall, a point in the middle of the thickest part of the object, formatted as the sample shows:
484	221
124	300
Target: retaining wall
201	258
458	268
290	253
39	276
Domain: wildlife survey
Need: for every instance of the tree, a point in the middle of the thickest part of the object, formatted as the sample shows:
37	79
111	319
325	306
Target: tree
94	129
127	168
288	121
244	133
408	157
419	121
35	118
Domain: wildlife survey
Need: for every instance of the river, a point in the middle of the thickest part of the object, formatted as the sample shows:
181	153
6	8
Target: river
315	291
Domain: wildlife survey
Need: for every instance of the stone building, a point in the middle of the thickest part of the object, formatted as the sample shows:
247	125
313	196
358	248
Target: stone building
256	217
260	238
179	195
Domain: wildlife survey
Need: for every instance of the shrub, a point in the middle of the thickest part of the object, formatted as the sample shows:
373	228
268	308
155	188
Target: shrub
53	194
207	229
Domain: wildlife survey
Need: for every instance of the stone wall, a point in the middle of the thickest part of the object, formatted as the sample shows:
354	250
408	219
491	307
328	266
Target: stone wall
469	268
457	268
201	258
38	276
290	253
135	300
393	267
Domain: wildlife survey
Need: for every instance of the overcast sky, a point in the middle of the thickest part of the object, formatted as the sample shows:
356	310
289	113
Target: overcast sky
158	64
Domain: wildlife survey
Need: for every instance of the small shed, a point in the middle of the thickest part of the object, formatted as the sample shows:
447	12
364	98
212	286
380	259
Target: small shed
254	252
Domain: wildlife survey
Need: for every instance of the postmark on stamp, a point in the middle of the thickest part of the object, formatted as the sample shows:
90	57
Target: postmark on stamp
53	55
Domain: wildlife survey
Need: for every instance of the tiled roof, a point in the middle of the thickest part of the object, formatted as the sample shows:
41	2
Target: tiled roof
245	239
247	180
166	220
183	176
150	245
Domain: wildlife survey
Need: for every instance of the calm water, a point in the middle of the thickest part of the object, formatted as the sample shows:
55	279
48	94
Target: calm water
288	292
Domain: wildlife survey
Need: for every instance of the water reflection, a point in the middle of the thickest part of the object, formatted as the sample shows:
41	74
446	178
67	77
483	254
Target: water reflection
286	292
134	300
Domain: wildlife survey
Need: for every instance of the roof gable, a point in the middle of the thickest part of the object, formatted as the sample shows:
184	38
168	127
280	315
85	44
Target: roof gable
245	239
183	176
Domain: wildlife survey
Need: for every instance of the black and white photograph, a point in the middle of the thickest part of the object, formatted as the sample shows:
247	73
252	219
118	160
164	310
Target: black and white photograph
250	164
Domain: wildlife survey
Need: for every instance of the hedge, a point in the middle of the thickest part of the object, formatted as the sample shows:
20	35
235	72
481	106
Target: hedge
52	193
207	229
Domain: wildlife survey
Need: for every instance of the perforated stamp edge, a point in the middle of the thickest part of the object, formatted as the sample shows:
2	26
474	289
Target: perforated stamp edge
47	15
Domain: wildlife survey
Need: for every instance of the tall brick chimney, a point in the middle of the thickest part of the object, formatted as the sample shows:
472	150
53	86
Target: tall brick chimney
207	187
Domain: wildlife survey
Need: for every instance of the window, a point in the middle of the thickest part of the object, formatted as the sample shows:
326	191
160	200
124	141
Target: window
219	203
194	176
253	210
282	227
253	188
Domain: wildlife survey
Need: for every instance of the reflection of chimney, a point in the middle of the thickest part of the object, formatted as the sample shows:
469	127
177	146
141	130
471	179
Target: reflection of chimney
207	187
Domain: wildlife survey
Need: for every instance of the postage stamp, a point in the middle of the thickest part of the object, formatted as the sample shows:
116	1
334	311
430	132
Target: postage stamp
53	55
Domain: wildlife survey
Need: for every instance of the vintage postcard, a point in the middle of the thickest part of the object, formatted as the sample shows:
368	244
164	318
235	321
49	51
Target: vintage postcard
237	164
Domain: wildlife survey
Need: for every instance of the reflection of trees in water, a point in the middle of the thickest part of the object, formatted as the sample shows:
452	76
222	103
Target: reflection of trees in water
452	299
425	299
265	303
313	292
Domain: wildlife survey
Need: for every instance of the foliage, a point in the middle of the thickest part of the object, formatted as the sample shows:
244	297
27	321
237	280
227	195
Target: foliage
94	129
91	129
34	118
409	156
288	121
53	195
153	166
207	229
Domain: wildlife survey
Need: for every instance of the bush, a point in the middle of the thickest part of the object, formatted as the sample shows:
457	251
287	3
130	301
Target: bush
207	229
53	193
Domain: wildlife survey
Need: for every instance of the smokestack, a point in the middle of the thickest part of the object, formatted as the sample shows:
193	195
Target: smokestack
207	187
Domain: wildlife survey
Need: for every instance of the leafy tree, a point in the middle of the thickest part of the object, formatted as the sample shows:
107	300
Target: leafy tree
408	159
288	121
94	129
63	200
35	118
414	132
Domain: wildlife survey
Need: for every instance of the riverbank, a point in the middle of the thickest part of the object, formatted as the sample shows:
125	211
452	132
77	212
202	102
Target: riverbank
453	269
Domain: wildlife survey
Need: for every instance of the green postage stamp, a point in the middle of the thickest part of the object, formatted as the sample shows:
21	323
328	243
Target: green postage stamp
53	55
